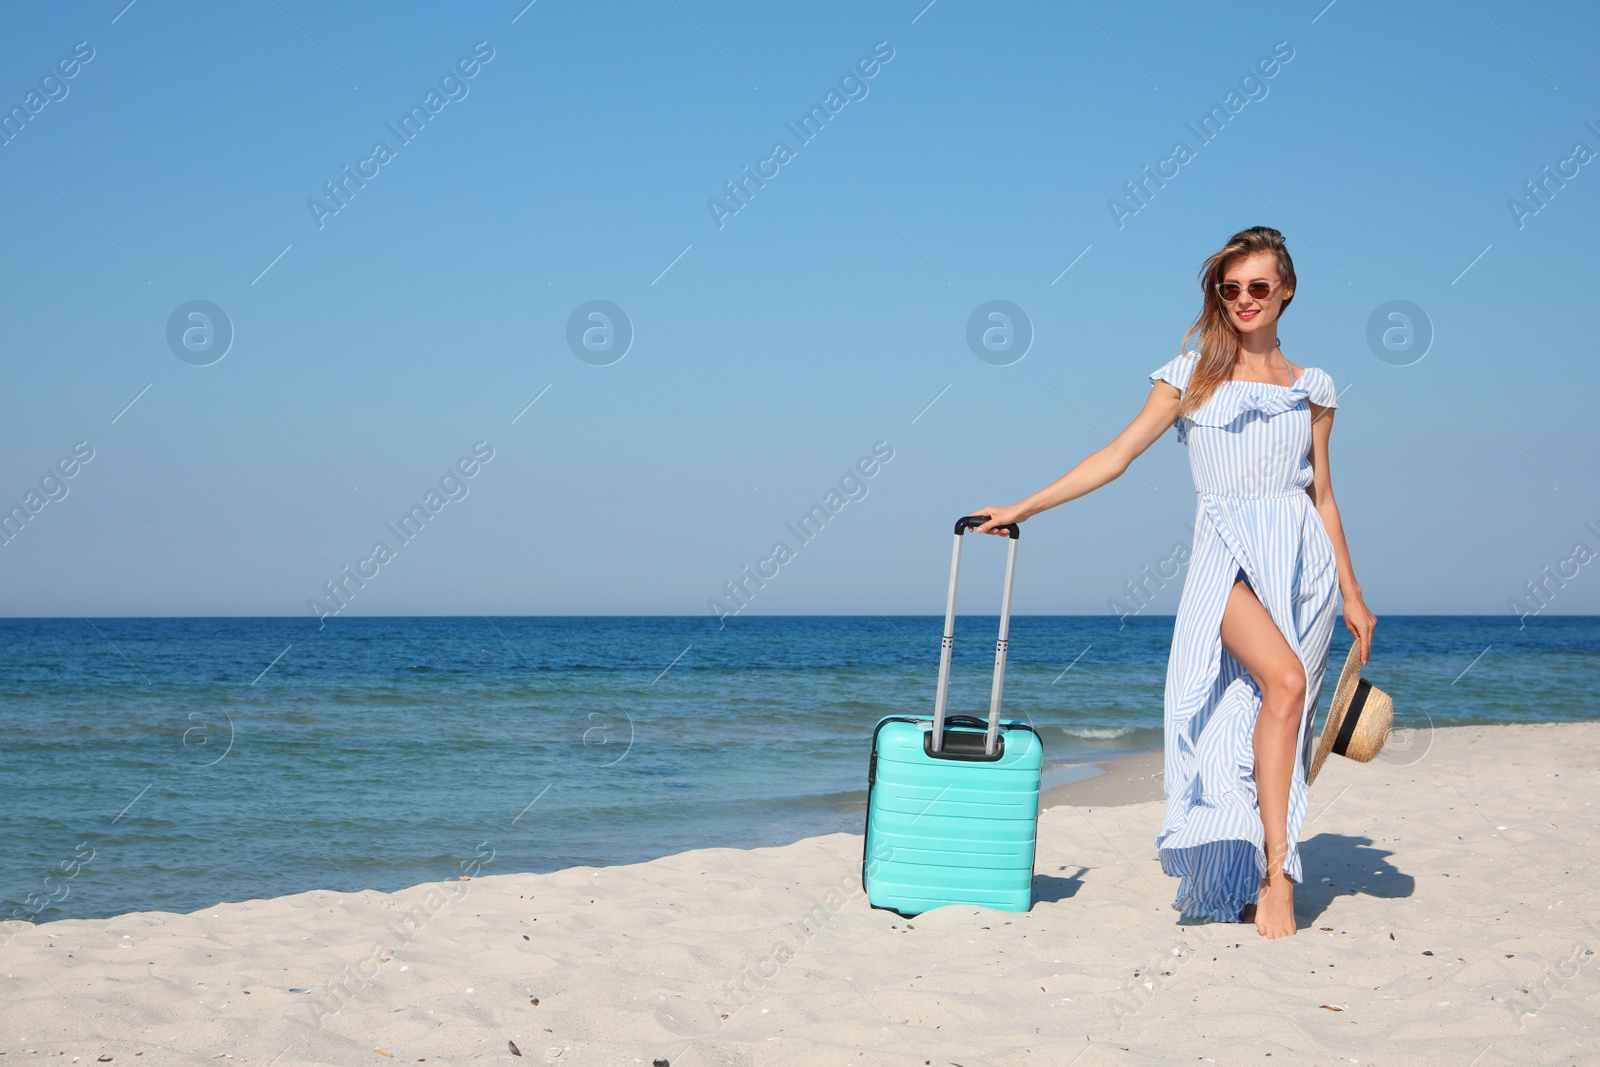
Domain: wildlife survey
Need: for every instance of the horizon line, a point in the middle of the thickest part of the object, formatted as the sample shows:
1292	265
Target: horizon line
797	615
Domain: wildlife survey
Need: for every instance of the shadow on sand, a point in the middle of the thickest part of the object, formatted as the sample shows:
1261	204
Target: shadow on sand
1050	889
1353	866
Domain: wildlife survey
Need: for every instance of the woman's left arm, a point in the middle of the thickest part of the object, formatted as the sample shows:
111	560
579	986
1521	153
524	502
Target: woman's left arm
1357	617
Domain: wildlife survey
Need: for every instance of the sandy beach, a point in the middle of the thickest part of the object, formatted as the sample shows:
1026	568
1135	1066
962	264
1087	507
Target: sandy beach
1448	917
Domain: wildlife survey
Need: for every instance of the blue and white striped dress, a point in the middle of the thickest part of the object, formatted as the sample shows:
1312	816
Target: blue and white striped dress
1250	453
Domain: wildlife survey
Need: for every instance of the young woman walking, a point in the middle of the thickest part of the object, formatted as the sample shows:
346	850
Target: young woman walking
1258	604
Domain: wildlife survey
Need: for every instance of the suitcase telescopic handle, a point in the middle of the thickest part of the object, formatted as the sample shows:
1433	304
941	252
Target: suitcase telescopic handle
972	522
947	642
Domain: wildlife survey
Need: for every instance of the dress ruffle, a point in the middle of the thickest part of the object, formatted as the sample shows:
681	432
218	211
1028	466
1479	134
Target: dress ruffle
1217	879
1235	400
1177	371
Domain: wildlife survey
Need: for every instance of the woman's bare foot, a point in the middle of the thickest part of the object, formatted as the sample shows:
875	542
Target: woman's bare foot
1274	912
1248	915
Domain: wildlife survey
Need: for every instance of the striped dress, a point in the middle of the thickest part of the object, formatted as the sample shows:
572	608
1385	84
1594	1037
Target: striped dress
1250	453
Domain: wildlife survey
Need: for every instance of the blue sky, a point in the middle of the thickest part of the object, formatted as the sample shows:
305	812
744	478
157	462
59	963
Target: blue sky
773	347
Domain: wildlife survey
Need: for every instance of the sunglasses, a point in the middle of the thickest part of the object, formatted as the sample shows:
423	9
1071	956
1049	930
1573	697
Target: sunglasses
1258	290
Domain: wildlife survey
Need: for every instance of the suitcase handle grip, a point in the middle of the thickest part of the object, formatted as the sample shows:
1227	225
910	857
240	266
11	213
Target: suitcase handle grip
972	522
965	720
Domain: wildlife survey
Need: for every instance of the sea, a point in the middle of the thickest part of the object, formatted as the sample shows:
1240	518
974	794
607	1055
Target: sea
172	764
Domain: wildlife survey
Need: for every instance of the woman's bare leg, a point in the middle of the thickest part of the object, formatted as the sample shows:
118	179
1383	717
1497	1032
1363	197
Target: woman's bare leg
1252	638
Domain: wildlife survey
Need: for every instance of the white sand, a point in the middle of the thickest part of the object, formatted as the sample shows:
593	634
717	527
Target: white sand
1480	852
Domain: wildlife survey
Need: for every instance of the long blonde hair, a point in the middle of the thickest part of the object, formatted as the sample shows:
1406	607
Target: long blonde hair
1219	341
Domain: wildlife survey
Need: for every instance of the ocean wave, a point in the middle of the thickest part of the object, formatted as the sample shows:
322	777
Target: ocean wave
1098	733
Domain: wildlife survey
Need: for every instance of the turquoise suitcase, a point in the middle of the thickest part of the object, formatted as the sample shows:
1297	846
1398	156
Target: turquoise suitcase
953	801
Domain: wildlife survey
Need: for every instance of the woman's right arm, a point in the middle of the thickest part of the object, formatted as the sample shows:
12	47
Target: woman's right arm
1105	465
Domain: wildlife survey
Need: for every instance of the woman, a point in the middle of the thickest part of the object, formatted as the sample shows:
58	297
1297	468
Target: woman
1258	604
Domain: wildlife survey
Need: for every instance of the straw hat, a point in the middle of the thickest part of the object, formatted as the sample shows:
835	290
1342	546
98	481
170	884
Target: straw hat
1359	719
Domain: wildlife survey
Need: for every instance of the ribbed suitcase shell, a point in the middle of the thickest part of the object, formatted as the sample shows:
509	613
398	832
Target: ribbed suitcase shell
950	831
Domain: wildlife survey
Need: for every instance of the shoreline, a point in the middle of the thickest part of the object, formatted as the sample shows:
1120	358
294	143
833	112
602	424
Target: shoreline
1131	779
1447	910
